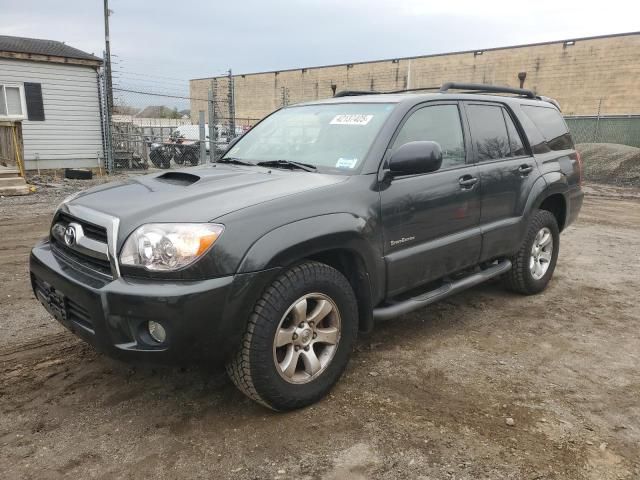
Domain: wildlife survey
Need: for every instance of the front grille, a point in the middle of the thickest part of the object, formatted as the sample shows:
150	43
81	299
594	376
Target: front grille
95	232
85	262
77	255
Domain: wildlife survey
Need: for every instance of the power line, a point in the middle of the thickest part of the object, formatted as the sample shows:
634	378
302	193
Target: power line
160	94
150	78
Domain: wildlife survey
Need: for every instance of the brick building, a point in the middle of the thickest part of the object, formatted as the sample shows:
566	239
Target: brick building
585	75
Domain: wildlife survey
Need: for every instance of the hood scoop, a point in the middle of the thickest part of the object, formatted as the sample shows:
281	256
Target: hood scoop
178	178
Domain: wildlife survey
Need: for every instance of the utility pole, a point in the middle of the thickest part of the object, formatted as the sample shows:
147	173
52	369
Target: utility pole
107	60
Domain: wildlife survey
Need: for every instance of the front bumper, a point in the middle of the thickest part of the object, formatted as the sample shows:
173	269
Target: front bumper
203	319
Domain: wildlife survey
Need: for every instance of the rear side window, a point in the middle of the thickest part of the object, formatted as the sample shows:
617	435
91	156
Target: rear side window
436	123
551	126
489	132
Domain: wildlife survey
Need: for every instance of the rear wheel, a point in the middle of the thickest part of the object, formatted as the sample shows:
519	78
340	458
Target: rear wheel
535	262
160	158
191	156
298	339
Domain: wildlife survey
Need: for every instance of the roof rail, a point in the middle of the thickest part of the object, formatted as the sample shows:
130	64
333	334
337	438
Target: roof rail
354	93
414	89
486	88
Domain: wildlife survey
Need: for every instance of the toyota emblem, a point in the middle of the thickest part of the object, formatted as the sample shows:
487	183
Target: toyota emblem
70	235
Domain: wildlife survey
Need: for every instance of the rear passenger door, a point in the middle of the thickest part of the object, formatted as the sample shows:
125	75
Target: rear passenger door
430	220
507	173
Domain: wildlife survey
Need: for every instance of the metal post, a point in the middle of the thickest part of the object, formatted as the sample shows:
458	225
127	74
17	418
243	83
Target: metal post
232	108
203	147
212	128
107	129
595	136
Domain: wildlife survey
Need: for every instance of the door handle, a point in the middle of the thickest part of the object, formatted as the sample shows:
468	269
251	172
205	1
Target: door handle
467	181
525	169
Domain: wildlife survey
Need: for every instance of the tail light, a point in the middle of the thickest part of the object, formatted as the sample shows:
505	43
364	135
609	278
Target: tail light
579	160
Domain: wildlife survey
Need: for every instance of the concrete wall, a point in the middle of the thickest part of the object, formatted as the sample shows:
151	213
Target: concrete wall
594	72
71	134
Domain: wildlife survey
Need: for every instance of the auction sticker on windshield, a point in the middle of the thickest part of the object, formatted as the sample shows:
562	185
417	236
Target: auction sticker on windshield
351	119
346	162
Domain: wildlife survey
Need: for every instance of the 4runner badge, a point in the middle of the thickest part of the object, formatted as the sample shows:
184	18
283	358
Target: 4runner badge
401	241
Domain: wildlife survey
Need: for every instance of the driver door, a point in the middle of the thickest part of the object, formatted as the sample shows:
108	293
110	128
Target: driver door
431	220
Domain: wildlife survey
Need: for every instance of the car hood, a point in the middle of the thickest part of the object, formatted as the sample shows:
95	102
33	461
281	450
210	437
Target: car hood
197	194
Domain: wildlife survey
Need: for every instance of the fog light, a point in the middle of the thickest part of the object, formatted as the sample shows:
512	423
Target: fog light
157	331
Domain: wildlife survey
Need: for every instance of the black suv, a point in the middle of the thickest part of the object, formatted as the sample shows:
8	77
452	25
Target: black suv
322	219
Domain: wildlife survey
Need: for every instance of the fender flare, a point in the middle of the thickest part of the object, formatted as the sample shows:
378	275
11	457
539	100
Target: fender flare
305	238
545	186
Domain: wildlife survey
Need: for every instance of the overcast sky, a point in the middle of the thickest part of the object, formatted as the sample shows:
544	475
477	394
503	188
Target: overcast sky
173	40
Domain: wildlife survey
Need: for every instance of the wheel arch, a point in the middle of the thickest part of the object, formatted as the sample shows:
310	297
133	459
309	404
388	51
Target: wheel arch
549	194
556	204
340	240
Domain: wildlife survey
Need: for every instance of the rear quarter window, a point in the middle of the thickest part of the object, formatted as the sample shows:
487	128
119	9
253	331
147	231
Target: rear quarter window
551	125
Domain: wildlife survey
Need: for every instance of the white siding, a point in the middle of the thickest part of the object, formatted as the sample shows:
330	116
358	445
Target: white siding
71	135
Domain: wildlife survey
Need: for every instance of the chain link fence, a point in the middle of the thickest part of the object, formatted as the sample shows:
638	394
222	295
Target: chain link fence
620	129
151	127
168	123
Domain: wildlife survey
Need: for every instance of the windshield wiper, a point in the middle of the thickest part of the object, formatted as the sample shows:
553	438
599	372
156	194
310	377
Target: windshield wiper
233	160
288	163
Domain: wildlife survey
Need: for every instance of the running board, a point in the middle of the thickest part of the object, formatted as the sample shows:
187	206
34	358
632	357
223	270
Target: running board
390	311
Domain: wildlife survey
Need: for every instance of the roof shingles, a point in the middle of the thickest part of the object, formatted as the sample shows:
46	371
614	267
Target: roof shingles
37	46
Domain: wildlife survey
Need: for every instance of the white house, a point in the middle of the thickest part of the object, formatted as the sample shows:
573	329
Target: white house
53	90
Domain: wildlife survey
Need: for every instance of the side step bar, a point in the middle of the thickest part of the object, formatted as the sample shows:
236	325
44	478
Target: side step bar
390	311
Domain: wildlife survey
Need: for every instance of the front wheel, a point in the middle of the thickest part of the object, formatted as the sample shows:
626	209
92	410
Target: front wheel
535	262
299	338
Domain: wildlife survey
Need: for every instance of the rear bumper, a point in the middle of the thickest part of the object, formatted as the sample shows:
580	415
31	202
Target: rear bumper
574	198
203	319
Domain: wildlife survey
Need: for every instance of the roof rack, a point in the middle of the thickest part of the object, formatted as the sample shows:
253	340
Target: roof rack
414	89
355	93
479	87
468	87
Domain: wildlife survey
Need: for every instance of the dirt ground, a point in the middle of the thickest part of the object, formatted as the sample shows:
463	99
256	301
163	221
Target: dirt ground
425	396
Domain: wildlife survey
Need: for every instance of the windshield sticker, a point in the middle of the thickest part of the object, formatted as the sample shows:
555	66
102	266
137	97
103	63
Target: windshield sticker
351	119
346	162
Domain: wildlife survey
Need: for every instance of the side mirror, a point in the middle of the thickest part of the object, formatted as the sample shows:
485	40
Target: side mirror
416	157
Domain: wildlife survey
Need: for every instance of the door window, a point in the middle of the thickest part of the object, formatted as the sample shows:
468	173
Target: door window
436	123
489	132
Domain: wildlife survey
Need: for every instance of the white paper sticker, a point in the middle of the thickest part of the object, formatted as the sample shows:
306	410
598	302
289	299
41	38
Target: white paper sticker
346	162
356	119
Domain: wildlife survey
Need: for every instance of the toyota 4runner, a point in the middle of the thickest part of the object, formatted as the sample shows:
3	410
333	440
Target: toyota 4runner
324	218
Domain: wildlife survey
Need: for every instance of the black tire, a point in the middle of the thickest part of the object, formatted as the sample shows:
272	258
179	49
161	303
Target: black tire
178	156
160	158
191	156
520	278
253	368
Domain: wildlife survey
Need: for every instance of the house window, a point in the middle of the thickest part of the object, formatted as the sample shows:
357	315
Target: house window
12	102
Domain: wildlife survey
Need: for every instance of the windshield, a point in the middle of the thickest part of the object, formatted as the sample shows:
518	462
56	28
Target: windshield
328	136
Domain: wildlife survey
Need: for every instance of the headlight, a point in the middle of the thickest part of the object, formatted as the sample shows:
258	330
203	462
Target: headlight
169	246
